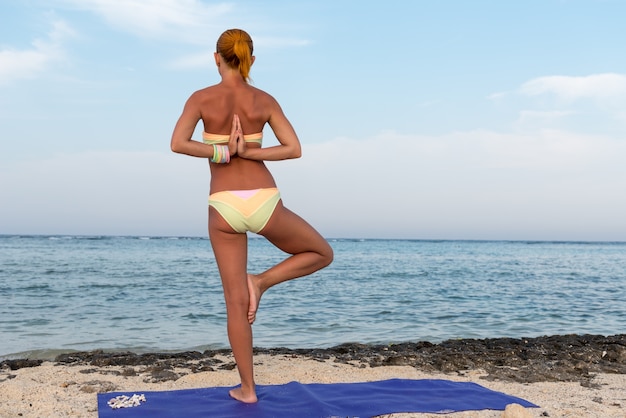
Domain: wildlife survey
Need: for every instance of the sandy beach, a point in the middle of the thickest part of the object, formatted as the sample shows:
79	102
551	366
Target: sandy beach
596	387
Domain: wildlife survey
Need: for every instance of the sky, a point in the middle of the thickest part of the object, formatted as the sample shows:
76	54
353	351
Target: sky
426	119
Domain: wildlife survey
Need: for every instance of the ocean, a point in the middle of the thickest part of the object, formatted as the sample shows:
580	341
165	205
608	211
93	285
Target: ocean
145	294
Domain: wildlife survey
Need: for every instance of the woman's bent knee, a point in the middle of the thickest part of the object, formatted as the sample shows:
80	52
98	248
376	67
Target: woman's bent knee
327	256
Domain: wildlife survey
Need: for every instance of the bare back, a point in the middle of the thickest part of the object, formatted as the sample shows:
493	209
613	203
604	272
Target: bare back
217	105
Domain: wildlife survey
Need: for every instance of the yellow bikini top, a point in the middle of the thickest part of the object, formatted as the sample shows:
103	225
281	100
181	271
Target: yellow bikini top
214	139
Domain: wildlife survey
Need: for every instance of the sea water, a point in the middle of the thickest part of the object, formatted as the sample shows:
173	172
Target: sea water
65	293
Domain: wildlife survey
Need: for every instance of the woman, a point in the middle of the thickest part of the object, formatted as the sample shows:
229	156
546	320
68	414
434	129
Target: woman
243	194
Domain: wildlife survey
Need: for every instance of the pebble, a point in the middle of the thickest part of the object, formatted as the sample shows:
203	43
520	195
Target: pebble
515	410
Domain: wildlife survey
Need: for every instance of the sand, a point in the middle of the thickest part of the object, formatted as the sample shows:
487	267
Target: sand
53	389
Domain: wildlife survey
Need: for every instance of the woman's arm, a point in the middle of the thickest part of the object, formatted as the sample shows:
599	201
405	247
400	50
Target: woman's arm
289	143
183	131
181	142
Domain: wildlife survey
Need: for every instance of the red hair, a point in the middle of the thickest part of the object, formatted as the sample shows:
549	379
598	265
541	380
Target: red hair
235	47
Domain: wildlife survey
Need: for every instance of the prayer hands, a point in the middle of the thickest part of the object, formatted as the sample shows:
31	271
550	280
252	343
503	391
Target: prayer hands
236	143
236	136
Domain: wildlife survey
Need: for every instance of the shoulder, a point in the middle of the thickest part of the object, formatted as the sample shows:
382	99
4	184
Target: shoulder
203	93
262	95
203	96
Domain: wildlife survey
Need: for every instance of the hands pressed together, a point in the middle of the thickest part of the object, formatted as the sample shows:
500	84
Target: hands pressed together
236	143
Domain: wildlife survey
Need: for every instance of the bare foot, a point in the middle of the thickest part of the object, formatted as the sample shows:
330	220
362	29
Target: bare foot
238	394
255	297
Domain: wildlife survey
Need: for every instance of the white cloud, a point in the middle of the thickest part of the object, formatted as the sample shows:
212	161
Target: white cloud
28	63
474	185
590	103
498	95
105	193
481	184
187	20
531	117
204	59
595	86
190	21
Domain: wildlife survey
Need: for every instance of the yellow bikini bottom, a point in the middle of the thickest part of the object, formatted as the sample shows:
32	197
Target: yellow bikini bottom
246	210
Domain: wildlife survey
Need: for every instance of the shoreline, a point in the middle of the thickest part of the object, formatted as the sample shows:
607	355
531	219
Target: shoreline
570	357
566	375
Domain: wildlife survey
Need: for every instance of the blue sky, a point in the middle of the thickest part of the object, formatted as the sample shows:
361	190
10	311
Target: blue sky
432	119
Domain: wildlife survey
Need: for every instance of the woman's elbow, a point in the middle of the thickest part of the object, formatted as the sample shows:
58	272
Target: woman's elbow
176	147
296	152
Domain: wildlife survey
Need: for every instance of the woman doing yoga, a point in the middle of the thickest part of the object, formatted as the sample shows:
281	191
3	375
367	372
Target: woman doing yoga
243	195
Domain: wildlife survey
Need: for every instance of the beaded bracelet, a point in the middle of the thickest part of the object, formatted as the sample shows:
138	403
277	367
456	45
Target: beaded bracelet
221	155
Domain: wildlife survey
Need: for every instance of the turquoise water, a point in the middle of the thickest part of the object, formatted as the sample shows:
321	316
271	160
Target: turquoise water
149	294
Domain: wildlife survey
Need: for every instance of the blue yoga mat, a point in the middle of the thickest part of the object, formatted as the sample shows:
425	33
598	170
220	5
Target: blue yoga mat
316	400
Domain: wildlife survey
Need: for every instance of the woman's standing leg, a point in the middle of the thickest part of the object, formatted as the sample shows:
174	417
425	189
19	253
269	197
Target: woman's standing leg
292	234
231	254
